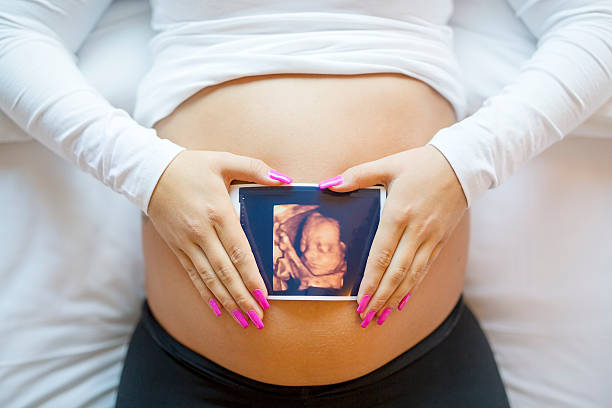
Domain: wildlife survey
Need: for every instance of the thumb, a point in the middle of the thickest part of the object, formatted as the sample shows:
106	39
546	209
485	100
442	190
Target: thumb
360	176
257	171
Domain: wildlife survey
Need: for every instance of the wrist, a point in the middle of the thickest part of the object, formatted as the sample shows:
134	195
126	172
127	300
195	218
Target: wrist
450	177
161	173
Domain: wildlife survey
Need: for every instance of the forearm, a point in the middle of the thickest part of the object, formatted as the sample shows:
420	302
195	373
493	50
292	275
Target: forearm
44	92
561	85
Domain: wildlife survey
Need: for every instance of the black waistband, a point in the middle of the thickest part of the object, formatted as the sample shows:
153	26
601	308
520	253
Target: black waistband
204	366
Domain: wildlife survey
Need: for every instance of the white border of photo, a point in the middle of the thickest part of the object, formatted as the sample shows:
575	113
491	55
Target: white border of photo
234	194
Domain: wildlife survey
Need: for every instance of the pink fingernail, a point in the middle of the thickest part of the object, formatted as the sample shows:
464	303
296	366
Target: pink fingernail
255	319
368	318
383	316
334	181
403	302
363	304
214	307
275	175
263	302
240	318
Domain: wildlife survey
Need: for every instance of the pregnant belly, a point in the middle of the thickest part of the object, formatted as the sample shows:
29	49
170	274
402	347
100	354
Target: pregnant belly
311	127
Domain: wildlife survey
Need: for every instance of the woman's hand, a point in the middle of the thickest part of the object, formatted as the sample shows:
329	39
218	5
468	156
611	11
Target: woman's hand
424	204
192	211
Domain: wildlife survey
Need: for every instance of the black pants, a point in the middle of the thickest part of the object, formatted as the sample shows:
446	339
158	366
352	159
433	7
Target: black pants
452	367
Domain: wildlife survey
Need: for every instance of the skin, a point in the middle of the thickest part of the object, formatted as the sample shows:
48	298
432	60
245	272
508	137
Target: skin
425	202
310	127
202	229
215	252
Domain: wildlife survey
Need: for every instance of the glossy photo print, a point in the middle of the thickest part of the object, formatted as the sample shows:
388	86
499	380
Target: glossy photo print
309	243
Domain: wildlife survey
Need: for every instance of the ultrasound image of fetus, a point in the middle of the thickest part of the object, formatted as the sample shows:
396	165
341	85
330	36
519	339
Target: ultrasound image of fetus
322	262
322	250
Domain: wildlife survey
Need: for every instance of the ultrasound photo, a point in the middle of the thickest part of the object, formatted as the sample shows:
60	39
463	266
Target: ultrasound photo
302	229
309	244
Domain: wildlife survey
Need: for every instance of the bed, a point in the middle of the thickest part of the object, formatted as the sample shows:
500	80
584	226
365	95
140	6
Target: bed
539	267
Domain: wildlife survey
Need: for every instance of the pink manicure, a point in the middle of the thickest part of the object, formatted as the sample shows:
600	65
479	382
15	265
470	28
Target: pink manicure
240	318
403	302
334	181
214	307
263	302
255	319
383	316
368	318
275	175
363	304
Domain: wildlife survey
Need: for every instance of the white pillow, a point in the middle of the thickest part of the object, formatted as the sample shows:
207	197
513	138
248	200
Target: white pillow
491	43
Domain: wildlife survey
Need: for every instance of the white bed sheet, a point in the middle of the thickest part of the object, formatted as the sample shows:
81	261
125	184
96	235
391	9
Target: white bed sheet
71	264
539	269
540	260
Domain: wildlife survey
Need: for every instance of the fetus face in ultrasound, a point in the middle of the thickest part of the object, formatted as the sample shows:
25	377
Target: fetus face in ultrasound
308	248
322	250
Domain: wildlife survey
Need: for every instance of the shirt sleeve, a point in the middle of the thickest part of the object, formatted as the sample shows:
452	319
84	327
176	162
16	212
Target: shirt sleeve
43	91
567	78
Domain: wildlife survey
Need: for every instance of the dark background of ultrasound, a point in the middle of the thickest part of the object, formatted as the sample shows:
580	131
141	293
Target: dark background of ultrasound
358	213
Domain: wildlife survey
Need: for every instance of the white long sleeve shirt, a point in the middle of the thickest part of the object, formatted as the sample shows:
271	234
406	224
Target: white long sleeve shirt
196	47
562	84
42	90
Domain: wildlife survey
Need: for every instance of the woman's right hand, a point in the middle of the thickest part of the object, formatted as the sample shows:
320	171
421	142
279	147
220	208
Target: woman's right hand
192	211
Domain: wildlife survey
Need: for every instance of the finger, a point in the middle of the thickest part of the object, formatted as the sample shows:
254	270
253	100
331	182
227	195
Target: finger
236	245
360	176
231	279
420	277
422	272
396	273
423	260
197	281
388	234
237	167
212	281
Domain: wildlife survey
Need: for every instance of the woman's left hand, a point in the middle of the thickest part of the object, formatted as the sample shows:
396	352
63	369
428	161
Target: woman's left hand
424	203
